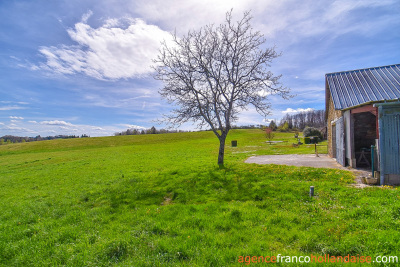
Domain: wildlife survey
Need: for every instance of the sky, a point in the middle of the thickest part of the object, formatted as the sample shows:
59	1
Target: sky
73	67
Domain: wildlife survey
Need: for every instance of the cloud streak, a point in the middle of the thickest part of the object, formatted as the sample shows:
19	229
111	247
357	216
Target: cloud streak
290	110
6	108
56	127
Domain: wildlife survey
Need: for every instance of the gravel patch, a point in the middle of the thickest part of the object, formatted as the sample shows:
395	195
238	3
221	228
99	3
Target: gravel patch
310	160
307	160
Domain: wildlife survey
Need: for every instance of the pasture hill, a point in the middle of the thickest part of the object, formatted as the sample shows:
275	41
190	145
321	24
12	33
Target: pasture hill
161	200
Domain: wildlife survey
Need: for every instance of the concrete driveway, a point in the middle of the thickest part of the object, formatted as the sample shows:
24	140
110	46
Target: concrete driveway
307	160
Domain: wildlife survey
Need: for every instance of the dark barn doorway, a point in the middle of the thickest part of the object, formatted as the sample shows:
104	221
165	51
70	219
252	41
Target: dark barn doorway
365	133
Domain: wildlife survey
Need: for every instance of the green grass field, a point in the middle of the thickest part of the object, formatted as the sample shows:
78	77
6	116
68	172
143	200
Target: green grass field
161	200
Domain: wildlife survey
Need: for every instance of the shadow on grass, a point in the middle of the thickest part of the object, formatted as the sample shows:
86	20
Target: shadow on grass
240	182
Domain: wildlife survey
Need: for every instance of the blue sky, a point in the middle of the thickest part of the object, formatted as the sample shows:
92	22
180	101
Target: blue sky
83	67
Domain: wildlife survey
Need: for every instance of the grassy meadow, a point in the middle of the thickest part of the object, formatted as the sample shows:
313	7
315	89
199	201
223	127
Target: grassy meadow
161	200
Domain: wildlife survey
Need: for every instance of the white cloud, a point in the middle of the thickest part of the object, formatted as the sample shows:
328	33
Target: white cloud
290	110
123	47
64	128
16	118
15	129
56	122
32	121
119	49
131	126
264	92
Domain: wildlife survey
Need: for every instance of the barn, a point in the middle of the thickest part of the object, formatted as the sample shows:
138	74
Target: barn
363	119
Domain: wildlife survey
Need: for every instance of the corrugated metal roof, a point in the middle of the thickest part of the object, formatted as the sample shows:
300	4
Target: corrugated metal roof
357	87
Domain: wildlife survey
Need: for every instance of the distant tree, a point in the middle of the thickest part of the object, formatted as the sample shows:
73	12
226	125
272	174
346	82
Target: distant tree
272	126
214	73
153	130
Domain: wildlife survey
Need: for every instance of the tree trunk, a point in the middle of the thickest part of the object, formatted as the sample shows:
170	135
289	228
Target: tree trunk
221	150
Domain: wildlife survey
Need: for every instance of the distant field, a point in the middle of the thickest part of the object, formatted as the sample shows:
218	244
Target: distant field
161	200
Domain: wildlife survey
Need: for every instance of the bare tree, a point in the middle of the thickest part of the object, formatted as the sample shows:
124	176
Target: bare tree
312	118
214	73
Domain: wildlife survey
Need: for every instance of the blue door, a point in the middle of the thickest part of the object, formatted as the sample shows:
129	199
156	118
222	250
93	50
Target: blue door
389	142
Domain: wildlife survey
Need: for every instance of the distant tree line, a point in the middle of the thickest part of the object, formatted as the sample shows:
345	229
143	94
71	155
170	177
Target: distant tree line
251	126
152	130
9	139
299	121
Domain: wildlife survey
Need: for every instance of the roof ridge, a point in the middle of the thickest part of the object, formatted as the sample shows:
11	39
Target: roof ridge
371	68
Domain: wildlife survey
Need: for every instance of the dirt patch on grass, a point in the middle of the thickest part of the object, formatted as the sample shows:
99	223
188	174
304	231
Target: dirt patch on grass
167	201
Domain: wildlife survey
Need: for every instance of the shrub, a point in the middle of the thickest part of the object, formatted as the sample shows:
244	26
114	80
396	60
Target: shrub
311	131
269	134
284	127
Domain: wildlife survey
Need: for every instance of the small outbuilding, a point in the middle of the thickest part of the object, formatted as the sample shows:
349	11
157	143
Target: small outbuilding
363	119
